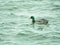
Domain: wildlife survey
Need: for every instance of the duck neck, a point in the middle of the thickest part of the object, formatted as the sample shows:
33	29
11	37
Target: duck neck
33	20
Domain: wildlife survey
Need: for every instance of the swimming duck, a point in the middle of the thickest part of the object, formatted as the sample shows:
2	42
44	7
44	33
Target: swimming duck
41	21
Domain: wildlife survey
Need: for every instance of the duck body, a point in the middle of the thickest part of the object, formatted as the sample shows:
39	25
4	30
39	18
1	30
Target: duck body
41	21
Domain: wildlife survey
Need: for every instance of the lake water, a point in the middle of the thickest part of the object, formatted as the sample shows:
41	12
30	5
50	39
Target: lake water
15	22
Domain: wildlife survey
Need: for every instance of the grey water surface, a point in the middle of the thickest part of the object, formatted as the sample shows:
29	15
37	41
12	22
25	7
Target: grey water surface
15	22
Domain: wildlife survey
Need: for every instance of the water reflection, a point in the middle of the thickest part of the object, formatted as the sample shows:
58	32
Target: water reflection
39	26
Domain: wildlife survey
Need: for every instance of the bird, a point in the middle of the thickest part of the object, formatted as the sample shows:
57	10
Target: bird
41	21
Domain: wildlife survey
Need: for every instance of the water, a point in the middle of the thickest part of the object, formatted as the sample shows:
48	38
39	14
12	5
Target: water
15	22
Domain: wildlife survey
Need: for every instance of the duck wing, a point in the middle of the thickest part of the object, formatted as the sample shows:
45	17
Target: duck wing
42	21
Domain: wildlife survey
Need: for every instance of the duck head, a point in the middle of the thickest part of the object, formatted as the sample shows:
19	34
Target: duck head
33	19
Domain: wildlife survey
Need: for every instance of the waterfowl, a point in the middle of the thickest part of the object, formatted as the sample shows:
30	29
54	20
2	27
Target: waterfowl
41	21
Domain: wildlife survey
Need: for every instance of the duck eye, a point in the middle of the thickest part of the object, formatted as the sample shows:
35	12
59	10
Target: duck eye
30	17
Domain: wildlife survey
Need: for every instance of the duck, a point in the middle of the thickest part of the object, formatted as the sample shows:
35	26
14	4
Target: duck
41	21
